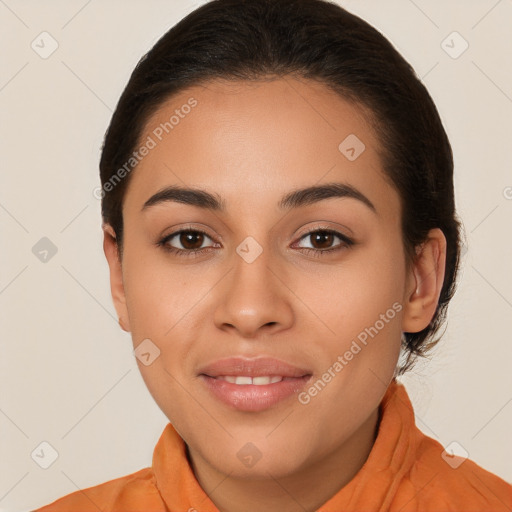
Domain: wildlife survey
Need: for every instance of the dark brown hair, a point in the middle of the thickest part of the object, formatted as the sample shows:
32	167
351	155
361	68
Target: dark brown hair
318	40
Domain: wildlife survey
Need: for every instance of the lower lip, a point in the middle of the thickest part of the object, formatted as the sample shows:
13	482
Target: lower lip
251	397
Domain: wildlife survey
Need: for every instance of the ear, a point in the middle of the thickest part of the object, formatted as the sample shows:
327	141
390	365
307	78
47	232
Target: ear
424	282
116	275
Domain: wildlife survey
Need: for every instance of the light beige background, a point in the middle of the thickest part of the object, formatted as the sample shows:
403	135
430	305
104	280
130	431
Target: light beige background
68	375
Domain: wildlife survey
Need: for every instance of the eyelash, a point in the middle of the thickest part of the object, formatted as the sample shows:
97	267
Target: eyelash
187	253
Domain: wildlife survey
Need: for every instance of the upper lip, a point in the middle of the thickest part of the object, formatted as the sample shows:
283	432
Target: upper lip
262	366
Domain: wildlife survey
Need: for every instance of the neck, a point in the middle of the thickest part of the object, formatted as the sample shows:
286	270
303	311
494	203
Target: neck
303	491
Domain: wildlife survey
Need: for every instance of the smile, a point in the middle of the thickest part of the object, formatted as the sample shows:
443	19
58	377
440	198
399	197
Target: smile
253	384
243	380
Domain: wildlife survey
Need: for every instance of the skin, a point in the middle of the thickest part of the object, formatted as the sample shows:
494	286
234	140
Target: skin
251	143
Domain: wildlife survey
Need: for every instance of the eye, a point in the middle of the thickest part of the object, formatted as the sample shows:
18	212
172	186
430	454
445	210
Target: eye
321	241
190	240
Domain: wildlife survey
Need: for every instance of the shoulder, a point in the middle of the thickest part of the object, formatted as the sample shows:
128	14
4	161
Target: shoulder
424	475
442	480
130	492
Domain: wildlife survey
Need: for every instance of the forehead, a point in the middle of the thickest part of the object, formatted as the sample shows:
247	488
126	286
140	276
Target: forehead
264	137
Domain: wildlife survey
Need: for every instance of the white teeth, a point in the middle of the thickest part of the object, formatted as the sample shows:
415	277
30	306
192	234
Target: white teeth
261	381
243	380
258	381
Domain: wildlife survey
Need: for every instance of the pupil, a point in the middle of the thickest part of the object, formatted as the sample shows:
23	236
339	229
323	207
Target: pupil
327	237
187	240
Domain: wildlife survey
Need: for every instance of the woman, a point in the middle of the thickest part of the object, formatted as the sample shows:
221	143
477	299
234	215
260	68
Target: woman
280	228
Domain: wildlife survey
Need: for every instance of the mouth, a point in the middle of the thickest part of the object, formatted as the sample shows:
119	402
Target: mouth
245	380
253	385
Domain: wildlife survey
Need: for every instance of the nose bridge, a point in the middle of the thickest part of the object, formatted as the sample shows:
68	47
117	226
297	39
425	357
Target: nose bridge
252	268
252	279
253	295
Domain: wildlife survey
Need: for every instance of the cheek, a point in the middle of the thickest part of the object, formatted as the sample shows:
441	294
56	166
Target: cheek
159	295
351	295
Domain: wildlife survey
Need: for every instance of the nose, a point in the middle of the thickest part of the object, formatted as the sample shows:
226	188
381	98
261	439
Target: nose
254	298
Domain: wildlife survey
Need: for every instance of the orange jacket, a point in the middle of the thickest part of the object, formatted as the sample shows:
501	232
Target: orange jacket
406	471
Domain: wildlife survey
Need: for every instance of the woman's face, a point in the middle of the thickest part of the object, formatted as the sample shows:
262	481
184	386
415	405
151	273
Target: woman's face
306	292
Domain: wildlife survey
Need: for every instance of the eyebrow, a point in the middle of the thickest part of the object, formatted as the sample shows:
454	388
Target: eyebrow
295	199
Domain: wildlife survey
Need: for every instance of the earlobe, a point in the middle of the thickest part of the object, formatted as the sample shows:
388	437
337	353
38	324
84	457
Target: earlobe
110	249
424	282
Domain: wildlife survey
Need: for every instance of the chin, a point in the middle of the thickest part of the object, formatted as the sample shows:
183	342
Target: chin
259	458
